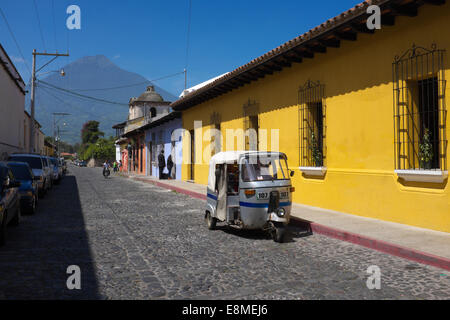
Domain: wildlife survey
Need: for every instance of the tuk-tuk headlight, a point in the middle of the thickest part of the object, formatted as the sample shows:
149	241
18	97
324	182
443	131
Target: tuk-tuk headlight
281	212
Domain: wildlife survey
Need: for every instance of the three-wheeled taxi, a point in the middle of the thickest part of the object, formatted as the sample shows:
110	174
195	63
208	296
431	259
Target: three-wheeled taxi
250	190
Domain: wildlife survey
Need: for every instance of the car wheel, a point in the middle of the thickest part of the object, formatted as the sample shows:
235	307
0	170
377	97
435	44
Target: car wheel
3	230
16	220
210	221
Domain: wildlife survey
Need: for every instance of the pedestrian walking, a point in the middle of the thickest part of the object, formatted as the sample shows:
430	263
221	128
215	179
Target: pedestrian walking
161	164
170	165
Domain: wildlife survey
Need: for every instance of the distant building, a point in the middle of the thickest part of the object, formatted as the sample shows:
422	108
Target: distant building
12	106
143	110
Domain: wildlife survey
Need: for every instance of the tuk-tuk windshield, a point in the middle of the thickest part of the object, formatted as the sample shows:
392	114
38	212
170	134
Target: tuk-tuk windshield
264	169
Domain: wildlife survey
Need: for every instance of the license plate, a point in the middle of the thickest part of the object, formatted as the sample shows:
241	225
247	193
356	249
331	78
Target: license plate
262	195
284	195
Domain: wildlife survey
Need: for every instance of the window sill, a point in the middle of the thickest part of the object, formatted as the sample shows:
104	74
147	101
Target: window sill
314	171
434	176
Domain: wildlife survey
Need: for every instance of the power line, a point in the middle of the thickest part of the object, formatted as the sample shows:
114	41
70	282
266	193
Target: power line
39	23
131	85
54	24
47	90
188	33
82	95
15	40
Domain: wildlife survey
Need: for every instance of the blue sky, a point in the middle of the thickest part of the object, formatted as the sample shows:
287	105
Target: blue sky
149	36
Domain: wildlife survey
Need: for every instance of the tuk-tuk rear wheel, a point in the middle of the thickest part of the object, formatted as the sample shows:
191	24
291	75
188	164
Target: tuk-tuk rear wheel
210	221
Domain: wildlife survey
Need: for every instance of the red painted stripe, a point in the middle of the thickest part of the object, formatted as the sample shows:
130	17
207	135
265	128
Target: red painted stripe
379	245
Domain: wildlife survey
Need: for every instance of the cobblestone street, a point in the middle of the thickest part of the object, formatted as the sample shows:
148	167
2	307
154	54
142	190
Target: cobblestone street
136	241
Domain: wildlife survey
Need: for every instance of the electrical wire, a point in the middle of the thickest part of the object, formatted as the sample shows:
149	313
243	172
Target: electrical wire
47	91
15	41
39	24
54	25
188	33
82	95
131	85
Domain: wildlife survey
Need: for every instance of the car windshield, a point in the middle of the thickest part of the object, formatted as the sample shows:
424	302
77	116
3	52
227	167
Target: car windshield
34	162
20	172
264	168
53	161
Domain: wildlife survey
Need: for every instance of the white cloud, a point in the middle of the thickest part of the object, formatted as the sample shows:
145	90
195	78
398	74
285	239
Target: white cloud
117	56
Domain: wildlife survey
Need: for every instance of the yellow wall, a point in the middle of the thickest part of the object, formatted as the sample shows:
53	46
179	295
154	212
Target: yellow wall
359	118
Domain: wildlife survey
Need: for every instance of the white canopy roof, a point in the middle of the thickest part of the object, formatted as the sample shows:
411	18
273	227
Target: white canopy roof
227	157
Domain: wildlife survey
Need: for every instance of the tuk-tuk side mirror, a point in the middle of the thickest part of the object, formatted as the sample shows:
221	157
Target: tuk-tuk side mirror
292	173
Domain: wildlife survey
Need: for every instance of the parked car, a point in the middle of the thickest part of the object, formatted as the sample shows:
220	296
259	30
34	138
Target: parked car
57	170
28	185
9	201
82	163
36	162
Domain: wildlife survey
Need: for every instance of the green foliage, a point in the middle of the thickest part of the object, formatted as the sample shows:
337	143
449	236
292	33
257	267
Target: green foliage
103	149
316	153
92	145
90	132
426	150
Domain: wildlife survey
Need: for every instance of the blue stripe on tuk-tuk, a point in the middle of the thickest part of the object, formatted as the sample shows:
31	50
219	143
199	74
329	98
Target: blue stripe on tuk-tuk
212	196
262	205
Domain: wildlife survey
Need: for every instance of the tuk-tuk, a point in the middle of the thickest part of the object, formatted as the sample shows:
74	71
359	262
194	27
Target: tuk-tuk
250	190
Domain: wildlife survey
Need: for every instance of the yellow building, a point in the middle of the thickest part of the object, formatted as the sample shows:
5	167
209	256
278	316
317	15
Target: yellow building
361	113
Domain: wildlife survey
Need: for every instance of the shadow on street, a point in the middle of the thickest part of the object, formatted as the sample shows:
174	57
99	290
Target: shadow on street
34	261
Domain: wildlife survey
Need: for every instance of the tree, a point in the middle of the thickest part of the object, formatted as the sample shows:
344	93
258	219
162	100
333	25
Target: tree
90	132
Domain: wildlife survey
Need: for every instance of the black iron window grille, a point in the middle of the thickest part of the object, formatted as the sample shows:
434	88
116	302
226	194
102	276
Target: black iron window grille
251	125
312	127
419	109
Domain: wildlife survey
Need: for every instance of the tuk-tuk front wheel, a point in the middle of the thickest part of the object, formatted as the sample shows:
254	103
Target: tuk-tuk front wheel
278	232
210	221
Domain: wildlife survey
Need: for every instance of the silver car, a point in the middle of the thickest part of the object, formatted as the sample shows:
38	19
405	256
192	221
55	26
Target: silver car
57	170
37	164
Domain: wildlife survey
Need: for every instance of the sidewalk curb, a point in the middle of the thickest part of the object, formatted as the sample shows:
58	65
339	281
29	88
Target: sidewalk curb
375	244
379	245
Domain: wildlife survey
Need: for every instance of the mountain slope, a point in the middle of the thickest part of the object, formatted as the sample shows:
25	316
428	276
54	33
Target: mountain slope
85	76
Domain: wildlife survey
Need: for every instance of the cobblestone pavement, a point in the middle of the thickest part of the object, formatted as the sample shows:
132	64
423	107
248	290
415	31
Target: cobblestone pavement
135	241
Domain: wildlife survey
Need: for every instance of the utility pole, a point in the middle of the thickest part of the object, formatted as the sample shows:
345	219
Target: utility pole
33	90
55	134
